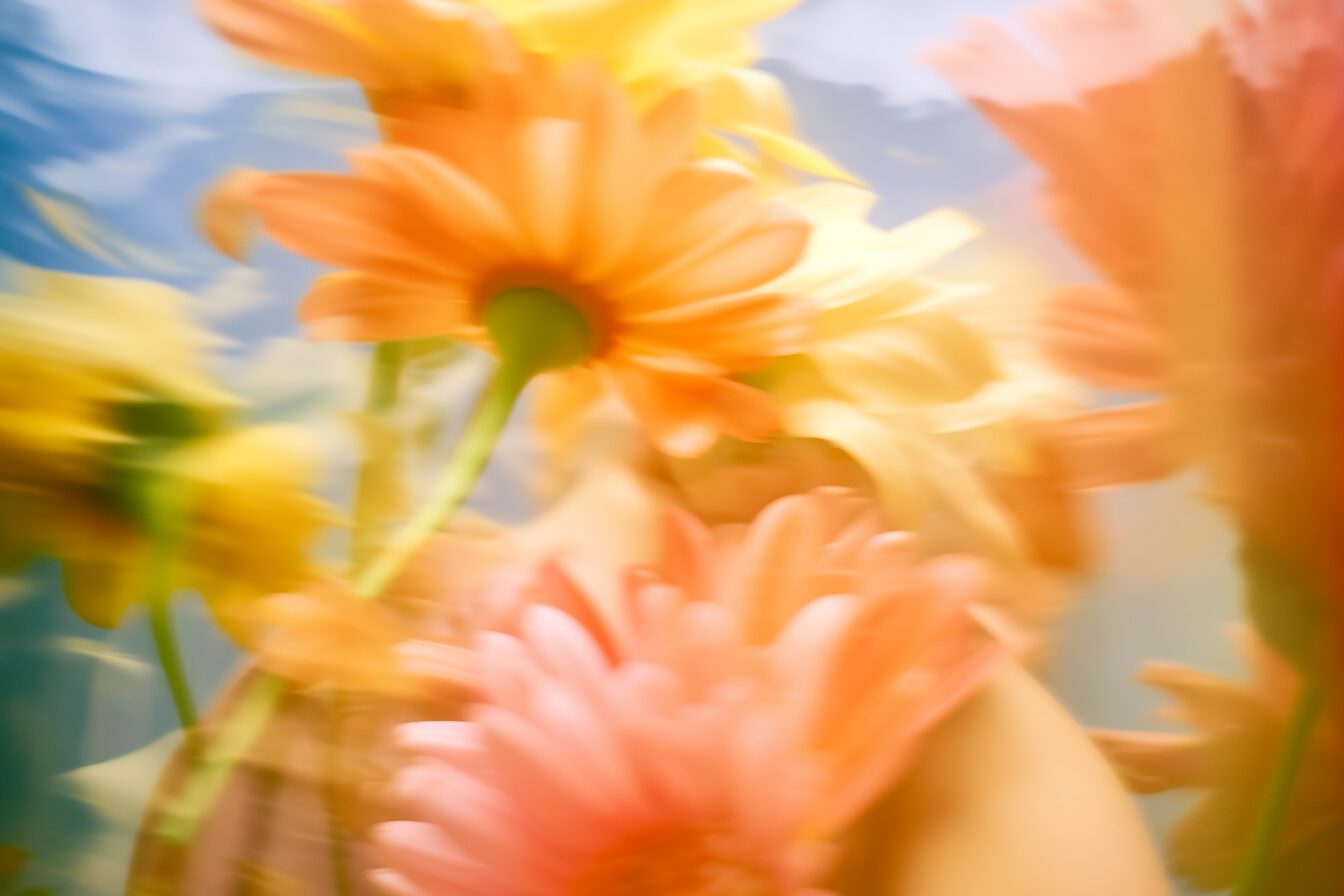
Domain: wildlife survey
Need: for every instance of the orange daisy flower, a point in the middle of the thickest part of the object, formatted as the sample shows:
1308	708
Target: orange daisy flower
569	204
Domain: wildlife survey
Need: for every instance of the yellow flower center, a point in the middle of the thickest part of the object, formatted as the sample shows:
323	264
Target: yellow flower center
673	863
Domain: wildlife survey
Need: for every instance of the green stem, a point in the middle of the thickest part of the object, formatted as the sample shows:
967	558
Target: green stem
245	724
370	512
459	475
170	660
1278	795
165	511
389	359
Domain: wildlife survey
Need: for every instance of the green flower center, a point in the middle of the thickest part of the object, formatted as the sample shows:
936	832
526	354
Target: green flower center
539	329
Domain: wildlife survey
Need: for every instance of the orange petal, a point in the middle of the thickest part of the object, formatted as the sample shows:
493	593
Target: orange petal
354	307
350	222
694	208
550	185
1152	761
1095	333
1205	700
737	332
439	199
685	415
668	131
226	213
1118	446
741	261
319	37
616	178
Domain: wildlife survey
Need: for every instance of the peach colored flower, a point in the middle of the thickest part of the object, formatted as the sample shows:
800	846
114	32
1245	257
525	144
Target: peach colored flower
708	736
1077	114
602	210
1031	584
1191	159
1230	757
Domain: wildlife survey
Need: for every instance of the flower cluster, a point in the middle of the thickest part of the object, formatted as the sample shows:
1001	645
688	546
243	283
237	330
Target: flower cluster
808	487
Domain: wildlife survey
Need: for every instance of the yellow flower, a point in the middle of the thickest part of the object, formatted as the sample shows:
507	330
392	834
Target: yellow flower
908	376
402	50
887	339
106	405
248	525
253	517
77	348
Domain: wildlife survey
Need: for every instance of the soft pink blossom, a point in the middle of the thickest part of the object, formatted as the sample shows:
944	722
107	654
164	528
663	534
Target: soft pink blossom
740	704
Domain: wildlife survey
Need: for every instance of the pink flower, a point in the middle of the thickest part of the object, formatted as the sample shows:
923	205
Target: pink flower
739	707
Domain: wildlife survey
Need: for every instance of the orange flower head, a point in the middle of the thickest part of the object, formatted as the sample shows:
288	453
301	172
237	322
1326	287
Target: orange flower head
1191	157
564	205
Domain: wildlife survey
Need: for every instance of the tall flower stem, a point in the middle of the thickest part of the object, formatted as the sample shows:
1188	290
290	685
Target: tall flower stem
534	330
166	547
377	474
463	468
162	506
389	360
459	475
1278	795
170	660
376	486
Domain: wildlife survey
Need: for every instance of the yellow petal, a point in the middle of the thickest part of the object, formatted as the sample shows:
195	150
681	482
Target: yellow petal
911	470
103	581
254	518
794	153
